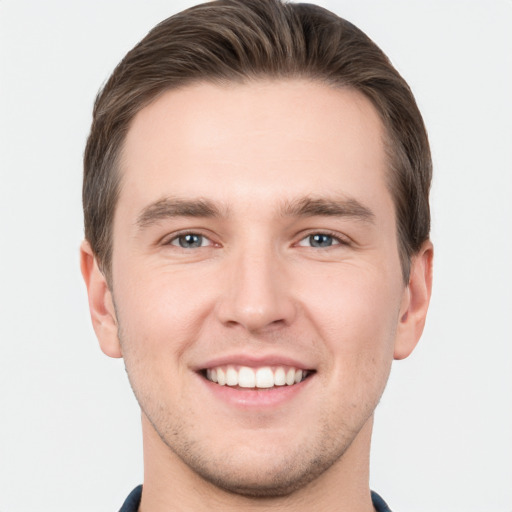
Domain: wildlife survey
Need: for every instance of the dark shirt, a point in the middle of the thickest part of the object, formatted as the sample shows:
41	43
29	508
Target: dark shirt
133	501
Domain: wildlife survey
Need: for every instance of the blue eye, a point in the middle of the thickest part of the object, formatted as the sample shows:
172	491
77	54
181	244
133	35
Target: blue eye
319	240
189	241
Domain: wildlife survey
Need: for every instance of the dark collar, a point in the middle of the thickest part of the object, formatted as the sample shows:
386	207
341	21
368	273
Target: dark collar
133	501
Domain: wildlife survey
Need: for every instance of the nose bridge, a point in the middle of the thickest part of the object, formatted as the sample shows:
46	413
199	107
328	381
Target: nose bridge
256	296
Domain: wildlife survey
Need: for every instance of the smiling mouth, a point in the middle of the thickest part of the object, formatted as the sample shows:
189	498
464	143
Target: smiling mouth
264	377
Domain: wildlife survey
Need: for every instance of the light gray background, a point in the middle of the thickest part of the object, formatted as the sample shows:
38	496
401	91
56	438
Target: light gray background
69	426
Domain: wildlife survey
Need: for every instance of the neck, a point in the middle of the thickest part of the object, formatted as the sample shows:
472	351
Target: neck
170	485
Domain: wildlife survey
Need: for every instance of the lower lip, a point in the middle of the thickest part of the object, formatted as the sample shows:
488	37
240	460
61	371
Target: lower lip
251	398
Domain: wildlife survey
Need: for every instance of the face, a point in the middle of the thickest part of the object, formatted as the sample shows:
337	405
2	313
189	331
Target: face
257	285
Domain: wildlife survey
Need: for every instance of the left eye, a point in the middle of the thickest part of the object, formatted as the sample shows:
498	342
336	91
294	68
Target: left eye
319	240
190	241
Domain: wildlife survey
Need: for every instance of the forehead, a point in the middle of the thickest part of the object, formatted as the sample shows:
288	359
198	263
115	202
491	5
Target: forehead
254	142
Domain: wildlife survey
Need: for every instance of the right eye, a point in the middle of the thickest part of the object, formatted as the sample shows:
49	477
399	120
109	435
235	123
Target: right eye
190	241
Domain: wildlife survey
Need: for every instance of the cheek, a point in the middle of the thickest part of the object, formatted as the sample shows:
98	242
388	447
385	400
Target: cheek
159	318
156	325
356	313
161	300
358	328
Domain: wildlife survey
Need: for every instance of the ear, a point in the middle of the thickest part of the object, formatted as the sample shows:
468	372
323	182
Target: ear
415	301
101	305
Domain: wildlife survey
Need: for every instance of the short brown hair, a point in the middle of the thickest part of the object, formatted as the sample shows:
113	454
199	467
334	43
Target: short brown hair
237	40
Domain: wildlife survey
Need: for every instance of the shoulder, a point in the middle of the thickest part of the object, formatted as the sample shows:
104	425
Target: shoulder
379	504
132	502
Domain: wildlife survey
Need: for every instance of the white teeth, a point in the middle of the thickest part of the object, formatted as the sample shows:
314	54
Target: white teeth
280	377
231	376
221	377
263	377
290	377
246	377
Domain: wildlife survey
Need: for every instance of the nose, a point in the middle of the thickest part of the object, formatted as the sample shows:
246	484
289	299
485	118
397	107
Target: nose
257	292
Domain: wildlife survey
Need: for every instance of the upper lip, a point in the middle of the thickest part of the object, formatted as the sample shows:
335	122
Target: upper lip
254	361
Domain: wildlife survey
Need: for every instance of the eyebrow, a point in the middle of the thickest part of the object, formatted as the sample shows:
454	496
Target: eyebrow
173	207
327	207
170	207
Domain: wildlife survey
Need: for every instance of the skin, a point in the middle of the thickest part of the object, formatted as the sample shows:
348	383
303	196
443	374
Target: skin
257	288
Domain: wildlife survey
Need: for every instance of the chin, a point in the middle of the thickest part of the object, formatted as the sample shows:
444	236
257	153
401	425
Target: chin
262	481
263	470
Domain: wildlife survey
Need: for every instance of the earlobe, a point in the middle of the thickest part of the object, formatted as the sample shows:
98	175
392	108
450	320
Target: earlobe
101	305
415	302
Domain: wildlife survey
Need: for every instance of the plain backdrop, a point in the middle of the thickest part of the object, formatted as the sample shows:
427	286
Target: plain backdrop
70	436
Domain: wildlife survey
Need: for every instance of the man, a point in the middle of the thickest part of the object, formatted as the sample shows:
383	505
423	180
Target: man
257	250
